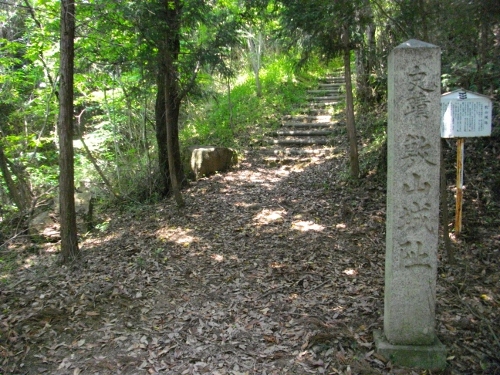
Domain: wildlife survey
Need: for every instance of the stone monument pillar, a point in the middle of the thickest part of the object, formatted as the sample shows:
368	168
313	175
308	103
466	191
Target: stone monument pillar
413	152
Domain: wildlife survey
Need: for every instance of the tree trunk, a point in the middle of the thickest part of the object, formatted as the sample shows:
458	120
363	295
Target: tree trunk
365	57
69	241
361	76
255	45
444	208
161	133
172	115
168	100
229	102
484	46
349	108
19	192
424	25
172	167
98	169
173	144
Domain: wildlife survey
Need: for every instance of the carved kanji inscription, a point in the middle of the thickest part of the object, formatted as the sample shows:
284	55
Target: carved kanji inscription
419	80
416	216
413	254
416	148
416	184
419	85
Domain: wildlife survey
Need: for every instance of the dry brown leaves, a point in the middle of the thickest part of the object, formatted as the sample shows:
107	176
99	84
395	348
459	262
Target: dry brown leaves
266	271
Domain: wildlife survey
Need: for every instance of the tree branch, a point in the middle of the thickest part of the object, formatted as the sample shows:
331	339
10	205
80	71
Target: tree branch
40	53
392	19
189	86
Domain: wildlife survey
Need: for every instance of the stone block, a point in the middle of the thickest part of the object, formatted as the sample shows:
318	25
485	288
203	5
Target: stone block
84	210
207	160
428	357
413	156
43	227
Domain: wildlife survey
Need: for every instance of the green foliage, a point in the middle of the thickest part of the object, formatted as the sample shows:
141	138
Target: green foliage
466	37
240	118
103	227
318	25
116	64
372	127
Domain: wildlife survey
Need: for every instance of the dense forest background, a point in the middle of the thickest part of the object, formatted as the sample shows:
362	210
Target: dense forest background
274	267
155	77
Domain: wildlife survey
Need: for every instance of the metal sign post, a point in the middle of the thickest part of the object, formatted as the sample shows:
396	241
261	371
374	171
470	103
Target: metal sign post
464	114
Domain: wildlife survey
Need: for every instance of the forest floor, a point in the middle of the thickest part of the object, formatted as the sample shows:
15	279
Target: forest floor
269	269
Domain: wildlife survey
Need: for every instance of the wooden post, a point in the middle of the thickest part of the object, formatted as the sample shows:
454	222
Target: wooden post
460	184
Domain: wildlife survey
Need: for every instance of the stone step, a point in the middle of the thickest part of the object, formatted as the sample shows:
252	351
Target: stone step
323	92
294	151
330	86
336	97
301	141
301	133
310	132
309	125
331	81
308	118
314	110
318	106
322	99
295	155
334	76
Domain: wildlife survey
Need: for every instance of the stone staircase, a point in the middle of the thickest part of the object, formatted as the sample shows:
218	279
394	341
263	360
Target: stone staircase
310	132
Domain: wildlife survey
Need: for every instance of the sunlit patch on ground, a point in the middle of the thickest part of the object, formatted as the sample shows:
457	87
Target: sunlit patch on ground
266	217
246	204
217	257
277	265
350	272
305	226
178	235
262	178
30	261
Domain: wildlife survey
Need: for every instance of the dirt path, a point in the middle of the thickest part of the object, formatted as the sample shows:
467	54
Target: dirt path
268	270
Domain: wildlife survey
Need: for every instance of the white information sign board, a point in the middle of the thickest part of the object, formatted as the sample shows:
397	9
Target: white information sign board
465	114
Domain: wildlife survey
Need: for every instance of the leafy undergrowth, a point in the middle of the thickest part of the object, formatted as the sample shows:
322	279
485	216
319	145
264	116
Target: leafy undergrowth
268	270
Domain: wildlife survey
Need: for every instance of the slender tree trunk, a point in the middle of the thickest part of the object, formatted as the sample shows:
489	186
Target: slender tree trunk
168	101
19	191
167	116
361	76
69	241
98	169
145	143
229	102
424	25
172	104
161	133
484	47
365	57
255	44
444	209
172	119
349	108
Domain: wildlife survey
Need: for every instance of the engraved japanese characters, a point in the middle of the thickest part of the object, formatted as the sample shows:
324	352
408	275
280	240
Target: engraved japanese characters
413	193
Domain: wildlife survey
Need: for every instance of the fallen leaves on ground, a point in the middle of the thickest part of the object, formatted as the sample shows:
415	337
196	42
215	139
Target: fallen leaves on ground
267	270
